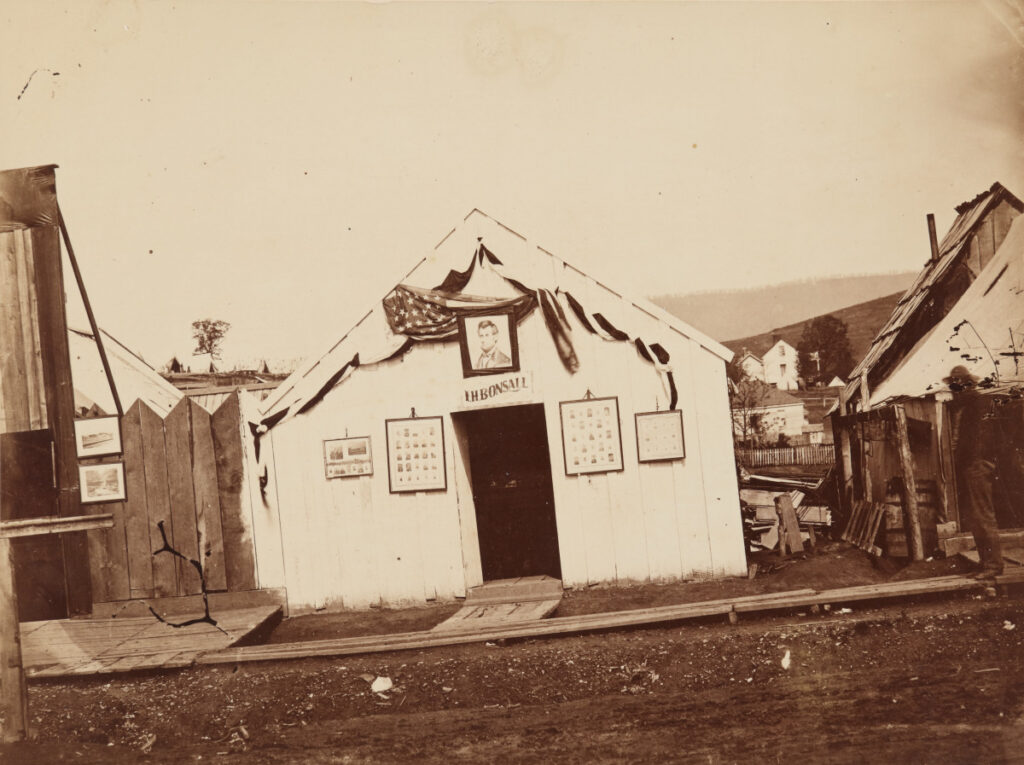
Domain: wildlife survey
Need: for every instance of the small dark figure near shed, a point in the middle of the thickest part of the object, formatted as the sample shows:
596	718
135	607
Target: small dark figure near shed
975	447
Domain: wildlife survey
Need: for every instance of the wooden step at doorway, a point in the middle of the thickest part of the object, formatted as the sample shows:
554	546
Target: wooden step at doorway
506	601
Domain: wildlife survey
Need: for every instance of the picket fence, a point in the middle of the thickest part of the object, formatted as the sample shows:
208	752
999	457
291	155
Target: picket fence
811	454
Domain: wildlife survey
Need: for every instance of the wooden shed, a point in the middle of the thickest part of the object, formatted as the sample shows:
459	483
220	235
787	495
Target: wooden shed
499	413
893	424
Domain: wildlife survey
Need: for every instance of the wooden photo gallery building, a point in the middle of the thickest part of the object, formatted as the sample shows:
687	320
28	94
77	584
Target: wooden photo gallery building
498	414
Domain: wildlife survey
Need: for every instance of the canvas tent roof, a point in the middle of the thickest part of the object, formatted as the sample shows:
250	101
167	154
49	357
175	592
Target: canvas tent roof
536	270
134	378
984	330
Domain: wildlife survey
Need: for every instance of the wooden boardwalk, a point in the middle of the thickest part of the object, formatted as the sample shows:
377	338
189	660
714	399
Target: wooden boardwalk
100	646
575	625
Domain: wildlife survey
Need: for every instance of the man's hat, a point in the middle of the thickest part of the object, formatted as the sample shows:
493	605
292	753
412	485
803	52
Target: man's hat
960	375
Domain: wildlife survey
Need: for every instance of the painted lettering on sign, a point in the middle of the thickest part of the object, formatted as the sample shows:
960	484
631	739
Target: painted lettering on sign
508	386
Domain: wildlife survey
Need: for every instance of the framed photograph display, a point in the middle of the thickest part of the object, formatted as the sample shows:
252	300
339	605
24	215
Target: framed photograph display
102	482
98	436
591	436
416	454
659	436
489	344
347	457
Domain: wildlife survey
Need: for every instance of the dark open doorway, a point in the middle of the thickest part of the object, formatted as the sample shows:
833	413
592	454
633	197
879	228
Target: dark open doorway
510	468
26	491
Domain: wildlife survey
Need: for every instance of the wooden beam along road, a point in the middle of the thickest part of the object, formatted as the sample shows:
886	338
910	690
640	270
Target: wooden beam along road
569	625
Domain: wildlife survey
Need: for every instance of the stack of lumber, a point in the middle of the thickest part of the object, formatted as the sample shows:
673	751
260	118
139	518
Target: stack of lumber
761	519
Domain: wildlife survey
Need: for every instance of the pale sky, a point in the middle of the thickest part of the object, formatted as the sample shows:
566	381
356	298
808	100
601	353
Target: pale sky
274	164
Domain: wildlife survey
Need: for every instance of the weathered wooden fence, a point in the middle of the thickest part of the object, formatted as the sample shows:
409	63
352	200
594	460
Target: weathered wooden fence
185	470
812	454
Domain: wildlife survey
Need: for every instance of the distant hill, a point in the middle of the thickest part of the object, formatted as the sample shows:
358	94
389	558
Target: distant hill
863	321
745	313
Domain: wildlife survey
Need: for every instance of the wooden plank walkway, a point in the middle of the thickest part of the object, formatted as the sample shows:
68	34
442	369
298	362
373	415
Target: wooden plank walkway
67	647
730	607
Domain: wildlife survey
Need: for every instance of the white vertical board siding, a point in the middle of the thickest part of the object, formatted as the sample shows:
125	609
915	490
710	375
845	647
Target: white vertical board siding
689	478
352	543
472	569
260	505
721	492
557	384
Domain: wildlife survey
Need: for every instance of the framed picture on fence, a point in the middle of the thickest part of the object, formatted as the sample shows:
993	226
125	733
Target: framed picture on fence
659	436
591	435
98	436
348	457
102	482
416	459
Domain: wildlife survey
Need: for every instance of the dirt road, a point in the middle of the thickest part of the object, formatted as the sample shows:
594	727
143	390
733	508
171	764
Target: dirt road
941	682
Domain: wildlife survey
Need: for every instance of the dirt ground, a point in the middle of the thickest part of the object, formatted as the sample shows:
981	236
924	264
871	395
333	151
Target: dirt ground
935	680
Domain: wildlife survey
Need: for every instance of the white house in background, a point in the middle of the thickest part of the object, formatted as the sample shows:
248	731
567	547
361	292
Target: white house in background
837	382
751	365
777	412
400	469
780	366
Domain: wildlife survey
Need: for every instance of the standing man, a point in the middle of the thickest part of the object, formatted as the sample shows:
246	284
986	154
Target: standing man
975	449
491	356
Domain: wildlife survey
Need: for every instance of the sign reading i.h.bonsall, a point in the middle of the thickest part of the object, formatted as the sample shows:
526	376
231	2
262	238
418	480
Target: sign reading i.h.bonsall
489	391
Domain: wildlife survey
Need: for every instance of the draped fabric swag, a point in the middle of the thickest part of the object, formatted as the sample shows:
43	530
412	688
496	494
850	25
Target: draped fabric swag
415	314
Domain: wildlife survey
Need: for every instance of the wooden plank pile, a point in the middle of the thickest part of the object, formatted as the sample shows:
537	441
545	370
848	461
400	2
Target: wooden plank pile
761	517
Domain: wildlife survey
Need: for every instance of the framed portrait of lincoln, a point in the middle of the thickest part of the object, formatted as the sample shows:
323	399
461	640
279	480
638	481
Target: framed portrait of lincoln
489	344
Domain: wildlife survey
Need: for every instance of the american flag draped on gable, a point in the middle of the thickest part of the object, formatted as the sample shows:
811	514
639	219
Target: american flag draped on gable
419	314
432	314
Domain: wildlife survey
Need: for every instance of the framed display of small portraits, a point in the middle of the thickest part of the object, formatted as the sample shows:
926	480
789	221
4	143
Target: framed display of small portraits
348	457
591	436
488	343
102	482
416	454
98	436
659	436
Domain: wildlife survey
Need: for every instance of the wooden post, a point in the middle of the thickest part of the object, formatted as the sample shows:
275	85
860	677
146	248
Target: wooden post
845	449
13	695
789	528
12	680
946	479
911	517
60	408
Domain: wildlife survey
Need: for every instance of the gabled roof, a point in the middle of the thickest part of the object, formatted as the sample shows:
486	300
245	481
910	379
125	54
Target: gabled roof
772	396
776	397
759	345
952	251
134	378
983	331
313	374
